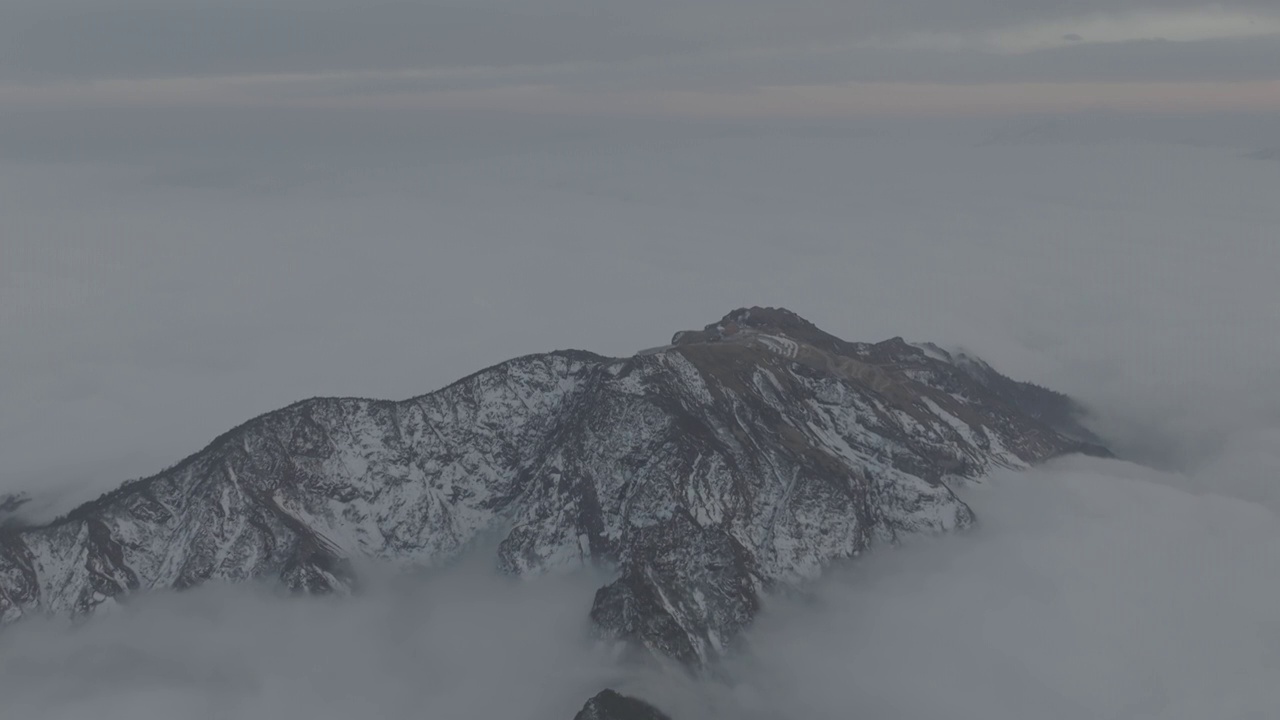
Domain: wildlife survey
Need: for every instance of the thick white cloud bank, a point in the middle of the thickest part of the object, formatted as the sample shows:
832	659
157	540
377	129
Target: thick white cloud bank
149	302
459	644
162	282
1091	589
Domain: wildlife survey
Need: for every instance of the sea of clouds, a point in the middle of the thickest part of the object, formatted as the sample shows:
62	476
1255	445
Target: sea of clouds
147	306
1091	589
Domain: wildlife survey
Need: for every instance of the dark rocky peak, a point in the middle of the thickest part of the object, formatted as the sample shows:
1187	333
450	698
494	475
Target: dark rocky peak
768	318
768	321
12	501
611	705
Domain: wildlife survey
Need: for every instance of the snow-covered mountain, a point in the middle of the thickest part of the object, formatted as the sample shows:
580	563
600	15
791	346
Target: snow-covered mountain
739	458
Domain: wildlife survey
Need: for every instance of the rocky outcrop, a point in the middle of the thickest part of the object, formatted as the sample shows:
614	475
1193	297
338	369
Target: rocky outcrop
10	506
742	457
610	705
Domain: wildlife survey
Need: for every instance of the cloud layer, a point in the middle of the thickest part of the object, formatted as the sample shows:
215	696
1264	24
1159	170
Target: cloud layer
1090	589
457	644
205	269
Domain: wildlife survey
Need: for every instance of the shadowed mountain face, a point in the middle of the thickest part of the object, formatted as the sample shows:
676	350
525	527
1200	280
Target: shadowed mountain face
742	457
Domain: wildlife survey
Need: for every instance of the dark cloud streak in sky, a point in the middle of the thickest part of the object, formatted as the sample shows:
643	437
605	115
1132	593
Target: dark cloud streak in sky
664	41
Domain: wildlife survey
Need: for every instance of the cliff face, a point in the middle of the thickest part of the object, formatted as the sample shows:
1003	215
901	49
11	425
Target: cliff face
742	456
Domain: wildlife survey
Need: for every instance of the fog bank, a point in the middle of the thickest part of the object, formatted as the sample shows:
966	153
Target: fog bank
1090	589
148	306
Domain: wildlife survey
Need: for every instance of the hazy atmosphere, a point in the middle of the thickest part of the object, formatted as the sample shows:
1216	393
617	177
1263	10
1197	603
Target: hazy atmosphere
211	210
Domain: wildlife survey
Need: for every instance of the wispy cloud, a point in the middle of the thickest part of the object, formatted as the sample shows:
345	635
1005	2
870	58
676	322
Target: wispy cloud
1183	25
615	57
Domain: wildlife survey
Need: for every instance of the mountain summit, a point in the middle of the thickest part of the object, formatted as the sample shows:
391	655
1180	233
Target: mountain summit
739	458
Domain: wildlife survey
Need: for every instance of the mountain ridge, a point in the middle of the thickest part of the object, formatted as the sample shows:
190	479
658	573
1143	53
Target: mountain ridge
741	457
78	511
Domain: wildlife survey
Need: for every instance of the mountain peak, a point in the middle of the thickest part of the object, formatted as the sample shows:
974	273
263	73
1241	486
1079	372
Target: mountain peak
612	705
745	322
744	457
767	317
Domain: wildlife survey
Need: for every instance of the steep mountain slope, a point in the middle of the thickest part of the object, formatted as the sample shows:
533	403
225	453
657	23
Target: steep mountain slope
742	456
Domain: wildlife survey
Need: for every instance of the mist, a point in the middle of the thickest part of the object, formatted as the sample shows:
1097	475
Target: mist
1090	589
150	305
456	643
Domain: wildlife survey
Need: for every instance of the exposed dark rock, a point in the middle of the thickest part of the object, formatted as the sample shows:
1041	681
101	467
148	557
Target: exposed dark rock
11	508
610	705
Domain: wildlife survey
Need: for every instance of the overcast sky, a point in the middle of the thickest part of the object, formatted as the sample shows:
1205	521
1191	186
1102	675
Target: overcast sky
666	57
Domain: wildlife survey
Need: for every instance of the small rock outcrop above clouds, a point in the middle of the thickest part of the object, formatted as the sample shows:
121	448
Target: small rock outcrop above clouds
742	457
610	705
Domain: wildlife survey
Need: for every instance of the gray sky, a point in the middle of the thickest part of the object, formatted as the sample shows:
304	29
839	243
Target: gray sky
722	57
